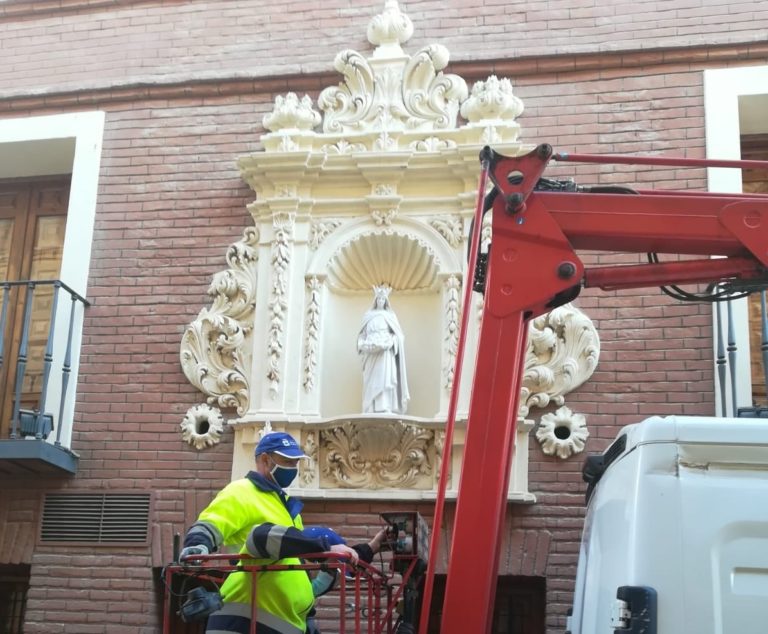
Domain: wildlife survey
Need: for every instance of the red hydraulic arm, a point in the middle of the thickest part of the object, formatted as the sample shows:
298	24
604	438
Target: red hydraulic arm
532	268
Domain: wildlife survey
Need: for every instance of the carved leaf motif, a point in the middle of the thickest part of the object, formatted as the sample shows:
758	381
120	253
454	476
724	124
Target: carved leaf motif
278	303
563	352
290	112
342	147
432	144
215	347
313	328
452	313
449	228
359	455
492	100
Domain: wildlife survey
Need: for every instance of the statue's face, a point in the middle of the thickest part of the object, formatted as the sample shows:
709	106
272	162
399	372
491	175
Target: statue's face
380	302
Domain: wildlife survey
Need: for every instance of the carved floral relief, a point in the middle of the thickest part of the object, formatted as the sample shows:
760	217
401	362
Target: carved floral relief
562	433
312	330
395	455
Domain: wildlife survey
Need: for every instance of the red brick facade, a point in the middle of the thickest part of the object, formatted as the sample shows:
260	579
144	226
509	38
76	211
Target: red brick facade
185	85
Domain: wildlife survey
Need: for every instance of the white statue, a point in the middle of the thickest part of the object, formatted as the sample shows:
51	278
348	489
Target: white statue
381	344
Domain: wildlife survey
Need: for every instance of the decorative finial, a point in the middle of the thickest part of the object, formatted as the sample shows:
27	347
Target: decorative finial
389	30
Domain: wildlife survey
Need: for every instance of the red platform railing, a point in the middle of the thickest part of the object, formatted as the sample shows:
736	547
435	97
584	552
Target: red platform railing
363	600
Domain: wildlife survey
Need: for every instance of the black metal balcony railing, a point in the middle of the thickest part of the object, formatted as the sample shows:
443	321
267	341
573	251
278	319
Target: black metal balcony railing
35	420
726	363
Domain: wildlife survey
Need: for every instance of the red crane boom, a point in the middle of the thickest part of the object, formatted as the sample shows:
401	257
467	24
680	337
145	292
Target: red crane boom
532	268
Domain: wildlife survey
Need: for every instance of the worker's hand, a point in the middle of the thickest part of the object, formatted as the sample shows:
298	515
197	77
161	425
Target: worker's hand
189	551
343	549
380	540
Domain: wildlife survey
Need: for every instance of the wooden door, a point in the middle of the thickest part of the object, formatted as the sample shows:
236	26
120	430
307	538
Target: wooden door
32	223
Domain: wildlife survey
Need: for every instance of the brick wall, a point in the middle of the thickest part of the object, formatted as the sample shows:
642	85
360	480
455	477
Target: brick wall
168	169
125	40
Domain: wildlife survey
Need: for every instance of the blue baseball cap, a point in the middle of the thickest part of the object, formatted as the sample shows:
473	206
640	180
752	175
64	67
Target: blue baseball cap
280	443
317	532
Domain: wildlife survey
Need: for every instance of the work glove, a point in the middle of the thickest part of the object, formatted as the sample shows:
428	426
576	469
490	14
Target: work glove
192	550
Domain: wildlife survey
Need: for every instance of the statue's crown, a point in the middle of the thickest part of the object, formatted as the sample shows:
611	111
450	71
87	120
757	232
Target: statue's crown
382	291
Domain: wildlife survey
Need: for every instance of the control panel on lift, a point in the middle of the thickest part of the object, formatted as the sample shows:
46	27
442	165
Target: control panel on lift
408	537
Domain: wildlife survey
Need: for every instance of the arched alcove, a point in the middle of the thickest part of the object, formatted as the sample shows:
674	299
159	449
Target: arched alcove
420	316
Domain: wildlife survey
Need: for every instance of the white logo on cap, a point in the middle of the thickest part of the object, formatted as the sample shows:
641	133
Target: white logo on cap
286	443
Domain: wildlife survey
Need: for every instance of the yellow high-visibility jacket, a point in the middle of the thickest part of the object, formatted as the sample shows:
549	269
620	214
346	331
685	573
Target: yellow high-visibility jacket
256	517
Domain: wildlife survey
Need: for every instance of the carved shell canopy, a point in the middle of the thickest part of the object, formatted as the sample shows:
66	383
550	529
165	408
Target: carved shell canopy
399	260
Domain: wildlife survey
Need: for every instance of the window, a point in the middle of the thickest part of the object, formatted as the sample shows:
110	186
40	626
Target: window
14	584
70	144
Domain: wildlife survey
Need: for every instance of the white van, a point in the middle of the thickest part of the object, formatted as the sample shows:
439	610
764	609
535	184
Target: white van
676	535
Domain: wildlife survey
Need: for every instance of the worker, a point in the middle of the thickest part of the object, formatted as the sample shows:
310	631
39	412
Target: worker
257	517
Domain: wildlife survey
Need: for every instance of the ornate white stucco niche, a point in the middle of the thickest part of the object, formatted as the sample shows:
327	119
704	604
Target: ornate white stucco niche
380	188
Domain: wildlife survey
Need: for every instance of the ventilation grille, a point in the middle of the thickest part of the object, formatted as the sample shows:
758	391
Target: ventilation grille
95	518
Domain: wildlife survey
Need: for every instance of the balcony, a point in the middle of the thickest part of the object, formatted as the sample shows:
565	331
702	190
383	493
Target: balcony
37	324
741	380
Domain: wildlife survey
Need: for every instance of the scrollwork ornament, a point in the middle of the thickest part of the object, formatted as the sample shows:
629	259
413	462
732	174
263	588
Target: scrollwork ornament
388	97
431	97
319	230
215	348
562	353
383	217
360	455
346	105
562	433
308	466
